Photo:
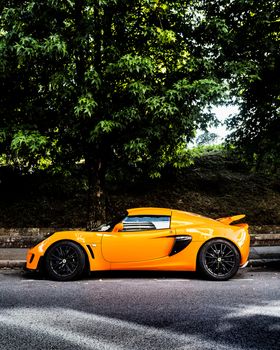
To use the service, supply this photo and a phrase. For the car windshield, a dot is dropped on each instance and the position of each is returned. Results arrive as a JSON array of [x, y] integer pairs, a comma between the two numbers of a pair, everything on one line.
[[107, 227]]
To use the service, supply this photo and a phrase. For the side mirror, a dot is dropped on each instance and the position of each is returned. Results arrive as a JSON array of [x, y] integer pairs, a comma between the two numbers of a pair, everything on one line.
[[118, 227]]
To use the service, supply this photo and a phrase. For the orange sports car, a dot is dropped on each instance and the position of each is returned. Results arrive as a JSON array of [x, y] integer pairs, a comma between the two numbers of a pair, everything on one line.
[[147, 239]]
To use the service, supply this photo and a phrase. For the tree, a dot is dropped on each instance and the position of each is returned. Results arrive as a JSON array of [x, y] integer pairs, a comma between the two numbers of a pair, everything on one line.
[[207, 138], [257, 133], [250, 56], [103, 82]]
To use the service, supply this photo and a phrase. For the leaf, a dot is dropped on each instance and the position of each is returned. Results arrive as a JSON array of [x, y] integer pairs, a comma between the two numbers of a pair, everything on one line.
[[86, 106], [28, 140]]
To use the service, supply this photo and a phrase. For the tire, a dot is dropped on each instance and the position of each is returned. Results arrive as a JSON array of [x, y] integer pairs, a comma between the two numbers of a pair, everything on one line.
[[65, 261], [218, 260]]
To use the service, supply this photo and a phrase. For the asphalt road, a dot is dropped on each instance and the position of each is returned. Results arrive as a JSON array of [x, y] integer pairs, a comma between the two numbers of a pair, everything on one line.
[[140, 311]]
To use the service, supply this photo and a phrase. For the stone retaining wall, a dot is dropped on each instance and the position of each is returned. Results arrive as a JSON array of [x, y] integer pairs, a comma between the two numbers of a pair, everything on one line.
[[266, 235], [26, 237]]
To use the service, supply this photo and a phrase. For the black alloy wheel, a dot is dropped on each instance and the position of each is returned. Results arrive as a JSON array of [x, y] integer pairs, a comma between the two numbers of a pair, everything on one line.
[[65, 261], [219, 260]]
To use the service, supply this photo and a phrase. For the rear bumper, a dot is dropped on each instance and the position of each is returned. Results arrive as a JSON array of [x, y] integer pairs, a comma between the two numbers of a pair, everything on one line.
[[244, 265], [243, 242]]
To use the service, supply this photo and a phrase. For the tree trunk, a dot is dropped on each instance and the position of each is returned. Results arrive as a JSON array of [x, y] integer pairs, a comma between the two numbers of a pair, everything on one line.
[[96, 194]]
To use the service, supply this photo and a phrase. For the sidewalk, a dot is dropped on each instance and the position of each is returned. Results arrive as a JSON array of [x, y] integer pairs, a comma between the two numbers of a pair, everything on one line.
[[12, 257], [259, 256]]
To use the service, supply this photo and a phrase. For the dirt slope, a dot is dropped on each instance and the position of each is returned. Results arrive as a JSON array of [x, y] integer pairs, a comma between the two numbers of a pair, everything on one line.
[[214, 186]]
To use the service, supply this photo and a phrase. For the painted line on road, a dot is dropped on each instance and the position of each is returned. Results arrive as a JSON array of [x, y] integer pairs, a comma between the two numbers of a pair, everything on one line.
[[242, 279], [110, 281], [170, 280], [28, 280]]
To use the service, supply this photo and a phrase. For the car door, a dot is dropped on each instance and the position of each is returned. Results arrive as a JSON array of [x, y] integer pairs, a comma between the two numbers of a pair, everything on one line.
[[143, 238]]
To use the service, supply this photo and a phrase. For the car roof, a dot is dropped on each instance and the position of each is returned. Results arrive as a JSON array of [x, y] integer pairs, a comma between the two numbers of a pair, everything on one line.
[[163, 212], [179, 217], [157, 211], [149, 211]]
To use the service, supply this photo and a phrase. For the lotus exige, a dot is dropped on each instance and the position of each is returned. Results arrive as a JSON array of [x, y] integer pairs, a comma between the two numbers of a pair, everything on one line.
[[147, 239]]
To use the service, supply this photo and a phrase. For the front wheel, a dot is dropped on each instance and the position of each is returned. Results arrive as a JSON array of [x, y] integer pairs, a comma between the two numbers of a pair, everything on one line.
[[65, 261], [219, 260]]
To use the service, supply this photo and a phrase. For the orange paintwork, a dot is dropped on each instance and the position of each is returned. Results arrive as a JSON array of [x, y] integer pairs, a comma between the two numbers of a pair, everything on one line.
[[149, 250], [231, 219]]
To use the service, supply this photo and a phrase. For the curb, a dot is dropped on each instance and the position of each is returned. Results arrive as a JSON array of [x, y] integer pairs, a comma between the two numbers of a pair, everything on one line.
[[264, 263], [12, 264]]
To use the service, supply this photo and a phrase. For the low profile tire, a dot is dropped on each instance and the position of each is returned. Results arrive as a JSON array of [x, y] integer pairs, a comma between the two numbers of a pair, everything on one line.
[[218, 260], [65, 261]]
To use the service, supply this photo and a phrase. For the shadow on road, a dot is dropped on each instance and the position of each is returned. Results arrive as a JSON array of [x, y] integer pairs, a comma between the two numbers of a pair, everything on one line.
[[143, 275], [123, 275]]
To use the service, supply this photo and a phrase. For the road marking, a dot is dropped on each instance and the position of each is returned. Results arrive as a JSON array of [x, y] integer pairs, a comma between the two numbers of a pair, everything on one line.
[[28, 281], [242, 279], [111, 280], [171, 280]]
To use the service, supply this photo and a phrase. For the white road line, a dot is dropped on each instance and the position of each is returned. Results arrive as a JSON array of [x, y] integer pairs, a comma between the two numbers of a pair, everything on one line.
[[242, 279], [171, 280]]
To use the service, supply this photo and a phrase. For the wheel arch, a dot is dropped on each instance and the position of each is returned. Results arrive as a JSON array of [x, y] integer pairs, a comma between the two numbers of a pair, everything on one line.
[[87, 263], [214, 239]]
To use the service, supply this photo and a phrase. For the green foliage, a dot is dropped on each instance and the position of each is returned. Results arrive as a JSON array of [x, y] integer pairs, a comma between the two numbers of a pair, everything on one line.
[[54, 46], [122, 86], [132, 64], [30, 150], [28, 141], [203, 150], [123, 82], [85, 106], [251, 58], [207, 138]]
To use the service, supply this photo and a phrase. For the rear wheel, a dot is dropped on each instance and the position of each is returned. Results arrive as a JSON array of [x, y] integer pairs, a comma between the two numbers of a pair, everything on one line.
[[65, 261], [219, 260]]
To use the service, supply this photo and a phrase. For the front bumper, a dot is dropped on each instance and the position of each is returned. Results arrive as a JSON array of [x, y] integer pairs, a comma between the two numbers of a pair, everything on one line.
[[32, 259]]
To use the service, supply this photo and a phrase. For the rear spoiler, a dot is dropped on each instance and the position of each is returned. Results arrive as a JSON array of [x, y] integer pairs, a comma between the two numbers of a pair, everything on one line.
[[228, 220]]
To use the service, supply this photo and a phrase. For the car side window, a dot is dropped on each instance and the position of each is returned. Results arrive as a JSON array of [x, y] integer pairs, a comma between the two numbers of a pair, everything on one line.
[[145, 223]]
